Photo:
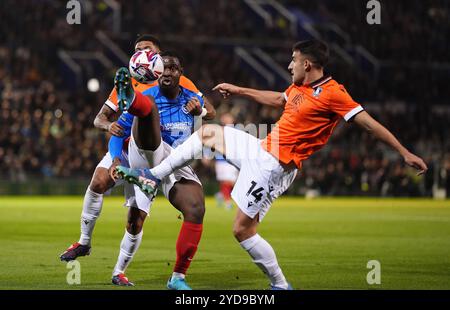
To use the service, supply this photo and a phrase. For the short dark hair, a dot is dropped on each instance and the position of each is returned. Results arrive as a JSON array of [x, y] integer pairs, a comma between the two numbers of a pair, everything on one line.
[[148, 37], [316, 50], [172, 54]]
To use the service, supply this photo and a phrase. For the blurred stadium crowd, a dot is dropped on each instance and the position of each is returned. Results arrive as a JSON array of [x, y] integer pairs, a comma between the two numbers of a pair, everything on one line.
[[46, 118]]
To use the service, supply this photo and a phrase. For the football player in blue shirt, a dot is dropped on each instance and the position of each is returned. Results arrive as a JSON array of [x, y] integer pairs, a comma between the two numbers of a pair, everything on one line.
[[155, 132]]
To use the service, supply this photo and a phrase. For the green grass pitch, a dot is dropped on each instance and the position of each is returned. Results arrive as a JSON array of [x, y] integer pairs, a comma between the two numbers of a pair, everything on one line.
[[320, 244]]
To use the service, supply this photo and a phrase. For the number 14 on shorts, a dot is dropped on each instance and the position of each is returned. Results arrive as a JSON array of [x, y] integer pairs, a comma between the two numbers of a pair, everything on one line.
[[256, 192]]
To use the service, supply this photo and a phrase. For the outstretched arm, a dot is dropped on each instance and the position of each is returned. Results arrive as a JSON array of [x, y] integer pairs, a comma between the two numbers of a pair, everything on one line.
[[364, 120], [266, 97]]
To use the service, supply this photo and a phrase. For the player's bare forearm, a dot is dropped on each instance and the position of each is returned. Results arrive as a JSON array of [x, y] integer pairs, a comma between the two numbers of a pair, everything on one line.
[[104, 118], [266, 97], [364, 120], [210, 110]]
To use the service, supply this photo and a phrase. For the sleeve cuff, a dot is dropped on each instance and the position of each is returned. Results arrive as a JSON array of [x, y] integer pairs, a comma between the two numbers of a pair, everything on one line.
[[353, 112], [110, 104], [285, 97]]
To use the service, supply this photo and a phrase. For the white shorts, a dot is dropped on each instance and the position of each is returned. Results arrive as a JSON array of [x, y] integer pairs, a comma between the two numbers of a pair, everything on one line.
[[106, 162], [147, 159], [226, 171], [261, 177]]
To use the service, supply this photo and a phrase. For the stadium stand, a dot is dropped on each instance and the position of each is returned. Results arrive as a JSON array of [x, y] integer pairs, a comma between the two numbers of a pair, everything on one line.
[[47, 113]]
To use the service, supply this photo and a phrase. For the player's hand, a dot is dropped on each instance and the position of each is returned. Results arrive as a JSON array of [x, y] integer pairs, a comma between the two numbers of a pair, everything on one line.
[[415, 162], [112, 170], [226, 89], [115, 129], [194, 107]]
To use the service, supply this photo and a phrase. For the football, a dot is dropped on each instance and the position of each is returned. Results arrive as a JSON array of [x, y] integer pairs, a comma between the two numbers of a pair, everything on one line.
[[146, 66]]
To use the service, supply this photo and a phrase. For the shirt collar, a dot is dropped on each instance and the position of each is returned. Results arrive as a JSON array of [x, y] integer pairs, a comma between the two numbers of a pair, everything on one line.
[[324, 79]]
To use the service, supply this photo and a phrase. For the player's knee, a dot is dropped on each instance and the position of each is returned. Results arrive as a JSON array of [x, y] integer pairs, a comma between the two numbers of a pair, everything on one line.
[[100, 184], [134, 227], [135, 221], [241, 232], [237, 232], [194, 211]]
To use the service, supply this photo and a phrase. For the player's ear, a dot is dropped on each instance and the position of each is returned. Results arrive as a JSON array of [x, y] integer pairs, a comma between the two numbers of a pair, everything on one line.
[[307, 64]]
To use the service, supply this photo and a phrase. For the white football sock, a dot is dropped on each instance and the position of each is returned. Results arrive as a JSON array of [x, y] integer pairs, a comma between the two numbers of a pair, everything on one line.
[[92, 206], [181, 156], [264, 257], [128, 247]]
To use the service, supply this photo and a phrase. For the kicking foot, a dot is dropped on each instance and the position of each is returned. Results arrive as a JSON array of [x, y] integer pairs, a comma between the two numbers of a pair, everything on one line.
[[124, 89], [143, 178]]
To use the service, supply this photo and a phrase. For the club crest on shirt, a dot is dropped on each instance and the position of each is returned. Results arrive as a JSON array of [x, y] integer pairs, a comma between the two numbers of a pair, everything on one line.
[[317, 91], [185, 111]]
